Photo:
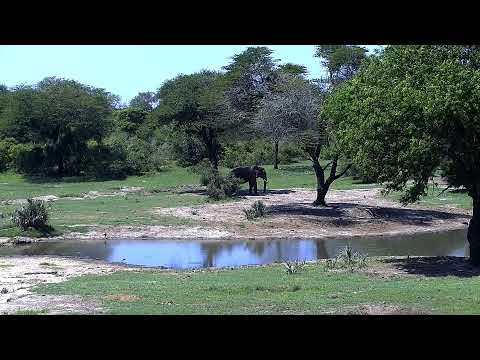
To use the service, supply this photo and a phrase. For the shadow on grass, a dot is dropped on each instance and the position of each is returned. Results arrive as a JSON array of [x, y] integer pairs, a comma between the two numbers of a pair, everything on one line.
[[436, 266]]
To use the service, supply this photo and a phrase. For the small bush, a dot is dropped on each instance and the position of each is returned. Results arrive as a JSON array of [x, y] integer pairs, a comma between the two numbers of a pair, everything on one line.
[[214, 192], [257, 210], [230, 185], [347, 258], [32, 215], [293, 267]]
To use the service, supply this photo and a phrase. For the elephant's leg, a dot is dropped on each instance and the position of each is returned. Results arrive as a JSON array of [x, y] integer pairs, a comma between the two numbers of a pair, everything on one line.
[[255, 186]]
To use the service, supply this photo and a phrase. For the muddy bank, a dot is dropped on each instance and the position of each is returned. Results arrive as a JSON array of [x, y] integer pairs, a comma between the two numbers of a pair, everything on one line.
[[18, 274], [351, 213]]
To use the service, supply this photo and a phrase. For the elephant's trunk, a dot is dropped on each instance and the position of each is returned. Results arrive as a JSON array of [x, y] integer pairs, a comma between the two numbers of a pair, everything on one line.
[[264, 186]]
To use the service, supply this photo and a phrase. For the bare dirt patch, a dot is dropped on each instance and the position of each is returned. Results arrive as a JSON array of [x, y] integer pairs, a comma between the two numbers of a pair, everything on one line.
[[20, 273], [379, 309], [350, 213]]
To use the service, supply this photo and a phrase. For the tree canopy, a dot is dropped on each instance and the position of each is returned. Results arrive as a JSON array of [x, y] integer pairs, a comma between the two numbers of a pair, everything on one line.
[[410, 111]]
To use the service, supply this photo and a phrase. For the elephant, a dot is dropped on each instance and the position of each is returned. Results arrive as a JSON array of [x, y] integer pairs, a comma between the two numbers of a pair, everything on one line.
[[251, 174]]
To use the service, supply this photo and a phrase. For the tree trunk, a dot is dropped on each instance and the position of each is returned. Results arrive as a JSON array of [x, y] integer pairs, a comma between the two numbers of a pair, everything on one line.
[[322, 187], [473, 234], [275, 162]]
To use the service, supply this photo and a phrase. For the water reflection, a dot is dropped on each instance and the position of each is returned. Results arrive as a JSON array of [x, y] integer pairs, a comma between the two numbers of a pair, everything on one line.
[[194, 254]]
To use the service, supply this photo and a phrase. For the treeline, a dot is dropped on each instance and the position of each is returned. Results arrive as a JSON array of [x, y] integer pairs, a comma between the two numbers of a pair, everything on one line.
[[254, 111], [60, 127]]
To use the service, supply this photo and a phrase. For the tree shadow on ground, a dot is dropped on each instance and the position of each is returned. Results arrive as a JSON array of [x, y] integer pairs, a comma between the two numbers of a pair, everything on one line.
[[346, 213], [435, 266]]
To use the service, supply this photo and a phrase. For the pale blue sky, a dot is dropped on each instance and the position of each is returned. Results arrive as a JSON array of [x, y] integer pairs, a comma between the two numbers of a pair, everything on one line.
[[126, 70]]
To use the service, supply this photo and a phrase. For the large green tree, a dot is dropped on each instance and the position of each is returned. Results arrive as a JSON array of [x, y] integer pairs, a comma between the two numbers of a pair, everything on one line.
[[58, 117], [410, 111], [251, 75], [197, 104]]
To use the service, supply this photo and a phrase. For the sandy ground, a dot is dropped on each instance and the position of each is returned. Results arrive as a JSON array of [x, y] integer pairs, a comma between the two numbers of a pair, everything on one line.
[[18, 274], [291, 215]]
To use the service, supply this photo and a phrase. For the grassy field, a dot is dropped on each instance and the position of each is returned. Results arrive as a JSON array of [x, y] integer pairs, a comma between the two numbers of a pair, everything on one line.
[[269, 290], [135, 208], [435, 197], [131, 209]]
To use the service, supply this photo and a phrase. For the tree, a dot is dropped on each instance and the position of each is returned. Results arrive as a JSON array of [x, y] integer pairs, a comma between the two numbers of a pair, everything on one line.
[[293, 69], [281, 112], [341, 62], [144, 100], [409, 111], [130, 119], [251, 75], [58, 117], [197, 104]]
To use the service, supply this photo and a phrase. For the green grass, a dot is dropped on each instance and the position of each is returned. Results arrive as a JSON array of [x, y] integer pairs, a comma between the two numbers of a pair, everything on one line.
[[32, 312], [134, 208], [435, 198], [14, 186], [269, 290], [301, 175]]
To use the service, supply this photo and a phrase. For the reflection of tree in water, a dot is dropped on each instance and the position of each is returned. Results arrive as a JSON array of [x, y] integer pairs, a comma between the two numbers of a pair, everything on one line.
[[321, 250], [89, 249], [257, 247], [211, 250]]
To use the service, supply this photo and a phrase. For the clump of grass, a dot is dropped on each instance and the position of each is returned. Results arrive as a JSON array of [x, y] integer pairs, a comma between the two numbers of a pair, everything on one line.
[[32, 215], [293, 267], [258, 209], [347, 258]]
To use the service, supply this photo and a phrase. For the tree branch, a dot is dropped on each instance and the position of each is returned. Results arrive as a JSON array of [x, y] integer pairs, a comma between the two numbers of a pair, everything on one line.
[[326, 166], [343, 172]]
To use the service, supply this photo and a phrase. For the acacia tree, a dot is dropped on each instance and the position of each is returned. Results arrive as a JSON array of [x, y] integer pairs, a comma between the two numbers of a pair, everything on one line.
[[250, 76], [411, 110], [197, 104], [144, 100], [59, 117]]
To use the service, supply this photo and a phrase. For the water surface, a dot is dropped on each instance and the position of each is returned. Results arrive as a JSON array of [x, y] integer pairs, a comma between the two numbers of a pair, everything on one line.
[[181, 254]]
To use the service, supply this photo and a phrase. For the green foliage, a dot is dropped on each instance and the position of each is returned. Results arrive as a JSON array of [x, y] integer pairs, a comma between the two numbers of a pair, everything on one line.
[[247, 153], [8, 153], [410, 110], [32, 215], [341, 61], [258, 209], [347, 258], [59, 116], [219, 186], [129, 119]]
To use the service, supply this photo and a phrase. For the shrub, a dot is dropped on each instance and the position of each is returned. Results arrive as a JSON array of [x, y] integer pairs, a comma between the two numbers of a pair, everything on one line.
[[215, 192], [258, 209], [219, 187], [32, 215], [293, 267], [347, 258], [290, 153], [7, 153]]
